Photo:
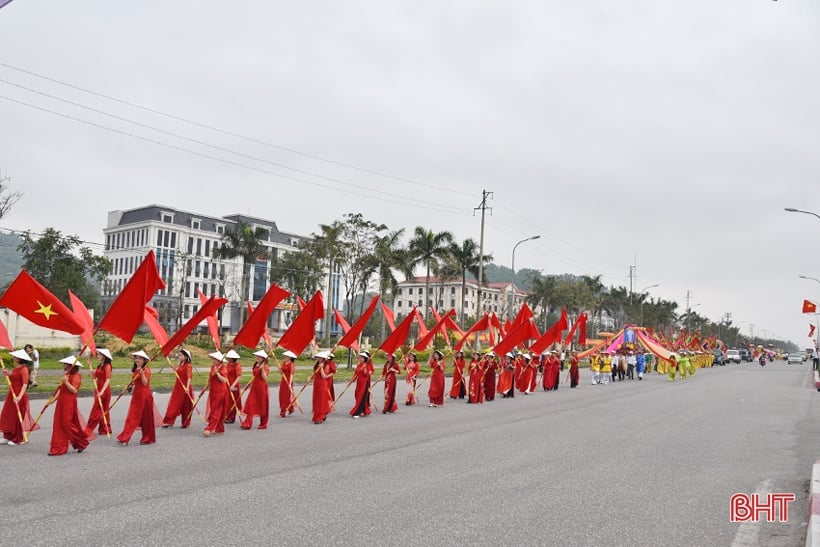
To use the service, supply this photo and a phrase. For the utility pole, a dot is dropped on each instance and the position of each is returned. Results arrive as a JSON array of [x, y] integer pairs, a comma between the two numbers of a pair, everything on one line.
[[483, 207], [688, 310], [632, 275]]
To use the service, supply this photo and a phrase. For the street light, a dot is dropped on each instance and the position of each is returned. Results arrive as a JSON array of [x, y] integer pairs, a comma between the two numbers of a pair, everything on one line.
[[512, 287], [793, 210], [689, 315], [642, 291]]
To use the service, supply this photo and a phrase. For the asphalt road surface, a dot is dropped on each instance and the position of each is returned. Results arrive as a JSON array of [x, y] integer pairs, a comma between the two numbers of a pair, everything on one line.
[[634, 463]]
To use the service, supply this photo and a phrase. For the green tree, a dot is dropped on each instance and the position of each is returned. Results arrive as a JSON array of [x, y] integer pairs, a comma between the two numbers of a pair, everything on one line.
[[300, 271], [543, 294], [427, 247], [61, 263], [468, 259], [244, 241]]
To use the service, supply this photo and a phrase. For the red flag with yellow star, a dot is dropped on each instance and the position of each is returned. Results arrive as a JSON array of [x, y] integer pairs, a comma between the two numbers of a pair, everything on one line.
[[34, 302]]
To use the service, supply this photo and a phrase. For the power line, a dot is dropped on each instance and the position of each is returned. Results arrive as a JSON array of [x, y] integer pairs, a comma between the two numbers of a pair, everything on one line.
[[231, 133], [224, 160], [203, 143]]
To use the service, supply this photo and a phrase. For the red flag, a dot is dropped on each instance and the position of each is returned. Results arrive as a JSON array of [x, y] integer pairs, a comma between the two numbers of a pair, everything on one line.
[[265, 333], [435, 313], [507, 326], [809, 307], [213, 327], [82, 315], [582, 331], [422, 325], [425, 341], [345, 328], [300, 302], [451, 324], [34, 302], [524, 314], [208, 308], [352, 335], [257, 322], [811, 330], [388, 315], [497, 324], [151, 318], [5, 342], [517, 335], [125, 315], [552, 335], [480, 325], [399, 335], [303, 328]]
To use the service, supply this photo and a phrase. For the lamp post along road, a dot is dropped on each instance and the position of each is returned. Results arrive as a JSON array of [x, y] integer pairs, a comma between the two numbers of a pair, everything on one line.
[[512, 286], [642, 291]]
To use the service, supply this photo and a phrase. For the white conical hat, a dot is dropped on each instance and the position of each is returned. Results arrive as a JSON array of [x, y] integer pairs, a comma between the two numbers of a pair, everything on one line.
[[105, 353], [217, 355], [232, 355], [71, 360], [140, 353], [263, 354], [21, 354], [290, 354]]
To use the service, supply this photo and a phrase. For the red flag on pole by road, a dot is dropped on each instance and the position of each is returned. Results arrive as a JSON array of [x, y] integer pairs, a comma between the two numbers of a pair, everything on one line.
[[809, 306], [213, 326], [388, 315], [399, 335], [422, 324], [125, 315], [480, 325], [84, 317], [5, 342], [303, 328], [265, 333], [209, 308], [518, 334], [811, 330], [345, 328], [425, 341], [257, 322], [352, 336], [151, 318], [37, 304]]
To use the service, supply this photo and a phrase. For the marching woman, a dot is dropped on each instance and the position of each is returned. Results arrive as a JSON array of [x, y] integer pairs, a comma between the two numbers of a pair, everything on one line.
[[16, 405], [68, 426], [258, 401], [179, 404], [234, 400], [217, 396], [391, 369], [99, 416], [488, 371], [476, 372], [364, 370], [321, 395], [331, 390], [286, 383], [458, 390], [574, 372], [506, 385], [436, 390], [527, 374], [550, 376], [141, 412], [411, 367]]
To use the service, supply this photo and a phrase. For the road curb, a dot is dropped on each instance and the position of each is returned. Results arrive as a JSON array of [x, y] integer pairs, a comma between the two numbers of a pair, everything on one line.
[[813, 529]]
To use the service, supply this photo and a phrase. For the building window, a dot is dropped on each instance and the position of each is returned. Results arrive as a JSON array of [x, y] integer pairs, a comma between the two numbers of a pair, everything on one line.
[[198, 246], [398, 304], [421, 290], [420, 304], [166, 238], [453, 303], [168, 219], [190, 245], [196, 269], [207, 247], [452, 290], [187, 294], [205, 270], [187, 311], [399, 293], [410, 290], [173, 240], [195, 224], [220, 229]]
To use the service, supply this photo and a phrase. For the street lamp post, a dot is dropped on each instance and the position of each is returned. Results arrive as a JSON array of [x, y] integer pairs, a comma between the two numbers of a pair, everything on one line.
[[793, 210], [689, 316], [642, 291], [512, 286]]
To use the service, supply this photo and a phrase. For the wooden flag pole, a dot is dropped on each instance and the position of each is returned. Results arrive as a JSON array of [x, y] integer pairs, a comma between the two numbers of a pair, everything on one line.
[[187, 393], [16, 402]]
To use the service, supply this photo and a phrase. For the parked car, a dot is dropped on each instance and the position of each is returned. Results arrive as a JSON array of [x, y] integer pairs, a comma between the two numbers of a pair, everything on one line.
[[795, 357], [733, 356], [719, 358], [745, 355]]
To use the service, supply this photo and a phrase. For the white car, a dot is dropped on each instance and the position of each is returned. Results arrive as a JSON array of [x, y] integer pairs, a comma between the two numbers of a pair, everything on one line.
[[733, 355], [795, 357]]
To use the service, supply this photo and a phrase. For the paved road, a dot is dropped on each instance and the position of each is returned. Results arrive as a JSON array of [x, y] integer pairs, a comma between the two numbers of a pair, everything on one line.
[[635, 463]]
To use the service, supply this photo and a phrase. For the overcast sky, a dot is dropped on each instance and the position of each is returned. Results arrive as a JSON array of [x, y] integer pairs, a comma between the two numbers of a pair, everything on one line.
[[667, 134]]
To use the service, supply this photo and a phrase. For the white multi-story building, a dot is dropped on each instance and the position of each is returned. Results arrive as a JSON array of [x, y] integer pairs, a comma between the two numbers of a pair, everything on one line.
[[447, 293], [185, 244]]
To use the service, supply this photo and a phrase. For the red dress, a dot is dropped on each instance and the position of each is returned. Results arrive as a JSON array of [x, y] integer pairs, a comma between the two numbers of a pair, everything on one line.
[[574, 373], [286, 389], [331, 367], [258, 401], [436, 390], [476, 381], [412, 372], [489, 380], [505, 380], [180, 402], [234, 403], [458, 390], [9, 420], [68, 426], [141, 412], [389, 373], [321, 396], [363, 373], [526, 378], [217, 400], [101, 374], [551, 371]]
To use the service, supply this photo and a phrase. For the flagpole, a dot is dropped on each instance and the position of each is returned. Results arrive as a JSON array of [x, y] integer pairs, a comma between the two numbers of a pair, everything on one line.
[[96, 386], [16, 402], [187, 393]]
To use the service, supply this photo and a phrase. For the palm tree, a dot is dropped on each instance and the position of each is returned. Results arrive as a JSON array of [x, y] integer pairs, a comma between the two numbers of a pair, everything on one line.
[[428, 248], [327, 245], [467, 257], [245, 241], [543, 293]]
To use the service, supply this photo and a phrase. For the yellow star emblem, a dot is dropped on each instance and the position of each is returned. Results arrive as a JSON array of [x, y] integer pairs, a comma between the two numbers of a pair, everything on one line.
[[45, 310]]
